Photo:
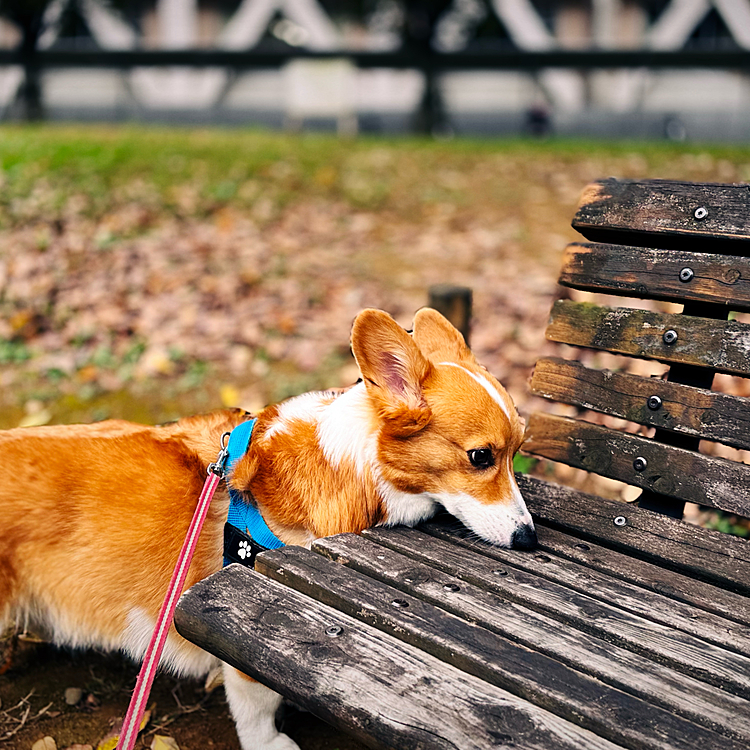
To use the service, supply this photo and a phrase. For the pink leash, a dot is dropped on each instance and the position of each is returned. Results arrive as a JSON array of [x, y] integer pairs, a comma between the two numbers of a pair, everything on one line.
[[131, 724]]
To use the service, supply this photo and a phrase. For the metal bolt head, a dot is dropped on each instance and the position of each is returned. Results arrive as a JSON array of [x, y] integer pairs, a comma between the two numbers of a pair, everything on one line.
[[654, 403], [334, 631], [700, 213], [640, 464], [670, 336], [686, 274], [620, 520]]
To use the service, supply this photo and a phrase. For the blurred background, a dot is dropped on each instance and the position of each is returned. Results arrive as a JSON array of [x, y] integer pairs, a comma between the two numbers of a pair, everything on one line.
[[198, 196], [655, 68]]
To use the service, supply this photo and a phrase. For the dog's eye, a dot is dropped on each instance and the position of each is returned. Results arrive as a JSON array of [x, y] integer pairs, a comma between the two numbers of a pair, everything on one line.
[[481, 458]]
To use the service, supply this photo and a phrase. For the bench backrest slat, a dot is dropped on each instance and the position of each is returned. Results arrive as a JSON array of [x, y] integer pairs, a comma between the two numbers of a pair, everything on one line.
[[670, 275], [666, 470], [653, 402], [680, 242], [720, 345], [666, 214]]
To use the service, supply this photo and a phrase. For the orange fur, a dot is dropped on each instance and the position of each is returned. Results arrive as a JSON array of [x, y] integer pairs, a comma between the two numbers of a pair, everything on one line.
[[93, 516]]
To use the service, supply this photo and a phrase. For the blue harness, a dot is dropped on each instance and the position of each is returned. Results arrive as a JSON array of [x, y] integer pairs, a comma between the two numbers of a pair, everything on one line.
[[245, 532]]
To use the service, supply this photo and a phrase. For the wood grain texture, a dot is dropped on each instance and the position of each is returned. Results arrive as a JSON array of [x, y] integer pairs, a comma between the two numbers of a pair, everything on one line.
[[662, 213], [697, 412], [720, 345], [670, 471], [673, 648], [617, 592], [610, 663], [648, 576], [545, 682], [709, 555], [655, 274], [386, 693]]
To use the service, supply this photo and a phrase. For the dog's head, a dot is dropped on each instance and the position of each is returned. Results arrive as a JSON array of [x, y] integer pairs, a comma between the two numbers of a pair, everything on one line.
[[448, 430]]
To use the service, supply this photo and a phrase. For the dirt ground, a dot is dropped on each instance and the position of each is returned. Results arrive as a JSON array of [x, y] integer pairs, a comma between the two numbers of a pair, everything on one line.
[[32, 706]]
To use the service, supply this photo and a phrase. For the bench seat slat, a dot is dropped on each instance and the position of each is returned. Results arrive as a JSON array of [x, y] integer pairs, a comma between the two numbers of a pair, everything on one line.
[[662, 213], [655, 274], [277, 635], [681, 651], [706, 554], [647, 575], [690, 411], [610, 663], [720, 345], [671, 471], [534, 676], [649, 604]]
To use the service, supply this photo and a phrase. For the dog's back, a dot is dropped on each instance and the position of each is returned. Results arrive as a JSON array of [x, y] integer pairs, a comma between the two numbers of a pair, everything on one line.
[[93, 520]]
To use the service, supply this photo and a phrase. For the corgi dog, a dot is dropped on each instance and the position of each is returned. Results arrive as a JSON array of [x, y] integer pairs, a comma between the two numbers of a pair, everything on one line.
[[93, 516]]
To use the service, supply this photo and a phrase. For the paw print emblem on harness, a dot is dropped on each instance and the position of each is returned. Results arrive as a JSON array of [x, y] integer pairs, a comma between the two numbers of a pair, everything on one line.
[[244, 550]]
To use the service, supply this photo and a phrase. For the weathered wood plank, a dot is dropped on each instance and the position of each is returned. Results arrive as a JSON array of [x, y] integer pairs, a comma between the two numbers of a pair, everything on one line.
[[708, 555], [720, 345], [666, 213], [663, 644], [639, 461], [622, 594], [349, 673], [673, 275], [646, 575], [697, 412], [610, 663], [533, 676]]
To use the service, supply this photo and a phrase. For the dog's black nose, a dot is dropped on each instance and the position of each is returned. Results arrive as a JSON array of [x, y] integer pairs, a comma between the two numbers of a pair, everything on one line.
[[524, 537]]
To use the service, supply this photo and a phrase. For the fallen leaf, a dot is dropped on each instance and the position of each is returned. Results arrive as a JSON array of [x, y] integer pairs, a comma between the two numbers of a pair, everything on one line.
[[164, 743], [46, 743], [36, 418], [110, 740], [229, 395]]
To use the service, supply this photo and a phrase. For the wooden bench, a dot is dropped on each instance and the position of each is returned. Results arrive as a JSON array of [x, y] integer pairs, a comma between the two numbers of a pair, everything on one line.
[[627, 627]]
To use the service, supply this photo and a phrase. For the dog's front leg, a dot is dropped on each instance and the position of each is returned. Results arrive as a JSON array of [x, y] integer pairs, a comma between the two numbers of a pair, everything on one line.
[[253, 708]]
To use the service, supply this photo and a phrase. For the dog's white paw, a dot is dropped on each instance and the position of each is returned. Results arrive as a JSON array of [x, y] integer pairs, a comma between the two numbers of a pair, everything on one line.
[[281, 742]]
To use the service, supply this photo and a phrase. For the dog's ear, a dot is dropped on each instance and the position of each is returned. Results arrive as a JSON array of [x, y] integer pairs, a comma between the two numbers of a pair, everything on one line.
[[393, 370], [438, 340]]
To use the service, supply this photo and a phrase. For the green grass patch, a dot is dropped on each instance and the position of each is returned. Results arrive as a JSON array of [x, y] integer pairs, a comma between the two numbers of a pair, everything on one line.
[[51, 171]]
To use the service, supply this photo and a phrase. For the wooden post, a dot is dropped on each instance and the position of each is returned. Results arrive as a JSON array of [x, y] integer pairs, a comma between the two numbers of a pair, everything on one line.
[[454, 302]]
